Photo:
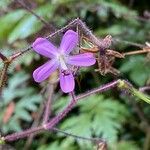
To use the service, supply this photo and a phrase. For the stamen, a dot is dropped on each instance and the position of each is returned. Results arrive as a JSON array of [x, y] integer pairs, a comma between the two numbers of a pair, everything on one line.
[[62, 61]]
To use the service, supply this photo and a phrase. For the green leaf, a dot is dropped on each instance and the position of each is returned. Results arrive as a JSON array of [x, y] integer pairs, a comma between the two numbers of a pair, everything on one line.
[[118, 9], [4, 4], [112, 30], [125, 145], [23, 114], [11, 91], [99, 116], [28, 102], [12, 125], [8, 22], [137, 68], [57, 146], [30, 24]]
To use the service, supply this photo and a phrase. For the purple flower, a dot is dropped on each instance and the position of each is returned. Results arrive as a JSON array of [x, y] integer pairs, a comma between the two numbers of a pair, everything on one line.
[[60, 59]]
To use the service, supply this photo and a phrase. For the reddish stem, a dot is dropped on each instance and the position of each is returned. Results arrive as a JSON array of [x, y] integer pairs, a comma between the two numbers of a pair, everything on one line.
[[55, 120]]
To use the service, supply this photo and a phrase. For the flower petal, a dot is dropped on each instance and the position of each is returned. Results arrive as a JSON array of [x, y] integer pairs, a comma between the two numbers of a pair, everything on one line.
[[69, 41], [67, 82], [44, 47], [44, 71], [86, 59]]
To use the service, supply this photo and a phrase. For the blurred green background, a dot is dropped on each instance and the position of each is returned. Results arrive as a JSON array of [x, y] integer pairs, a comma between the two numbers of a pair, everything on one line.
[[113, 115]]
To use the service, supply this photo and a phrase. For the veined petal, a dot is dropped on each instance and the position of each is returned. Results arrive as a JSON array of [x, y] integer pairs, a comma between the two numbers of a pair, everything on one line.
[[67, 82], [44, 71], [69, 41], [44, 47], [85, 59]]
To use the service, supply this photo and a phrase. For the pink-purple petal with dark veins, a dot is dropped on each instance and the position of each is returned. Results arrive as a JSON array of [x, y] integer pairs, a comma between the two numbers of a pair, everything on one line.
[[44, 71], [69, 41], [45, 48], [67, 82], [85, 59]]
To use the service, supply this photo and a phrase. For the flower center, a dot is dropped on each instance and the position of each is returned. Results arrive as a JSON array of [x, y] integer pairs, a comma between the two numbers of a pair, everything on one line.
[[62, 60]]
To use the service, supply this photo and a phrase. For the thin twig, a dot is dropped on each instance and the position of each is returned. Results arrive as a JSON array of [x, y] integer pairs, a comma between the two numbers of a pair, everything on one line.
[[137, 52], [21, 52], [145, 88], [3, 76], [4, 58], [87, 32], [62, 114], [48, 103], [77, 137], [73, 23]]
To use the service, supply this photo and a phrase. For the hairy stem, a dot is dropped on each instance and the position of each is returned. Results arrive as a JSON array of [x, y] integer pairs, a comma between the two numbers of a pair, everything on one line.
[[57, 118], [23, 134], [48, 104], [4, 58], [74, 23], [121, 84], [79, 23], [3, 76], [62, 114], [145, 88], [137, 52]]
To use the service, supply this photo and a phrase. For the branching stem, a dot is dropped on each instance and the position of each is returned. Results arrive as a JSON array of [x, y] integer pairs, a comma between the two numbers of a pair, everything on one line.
[[121, 84]]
